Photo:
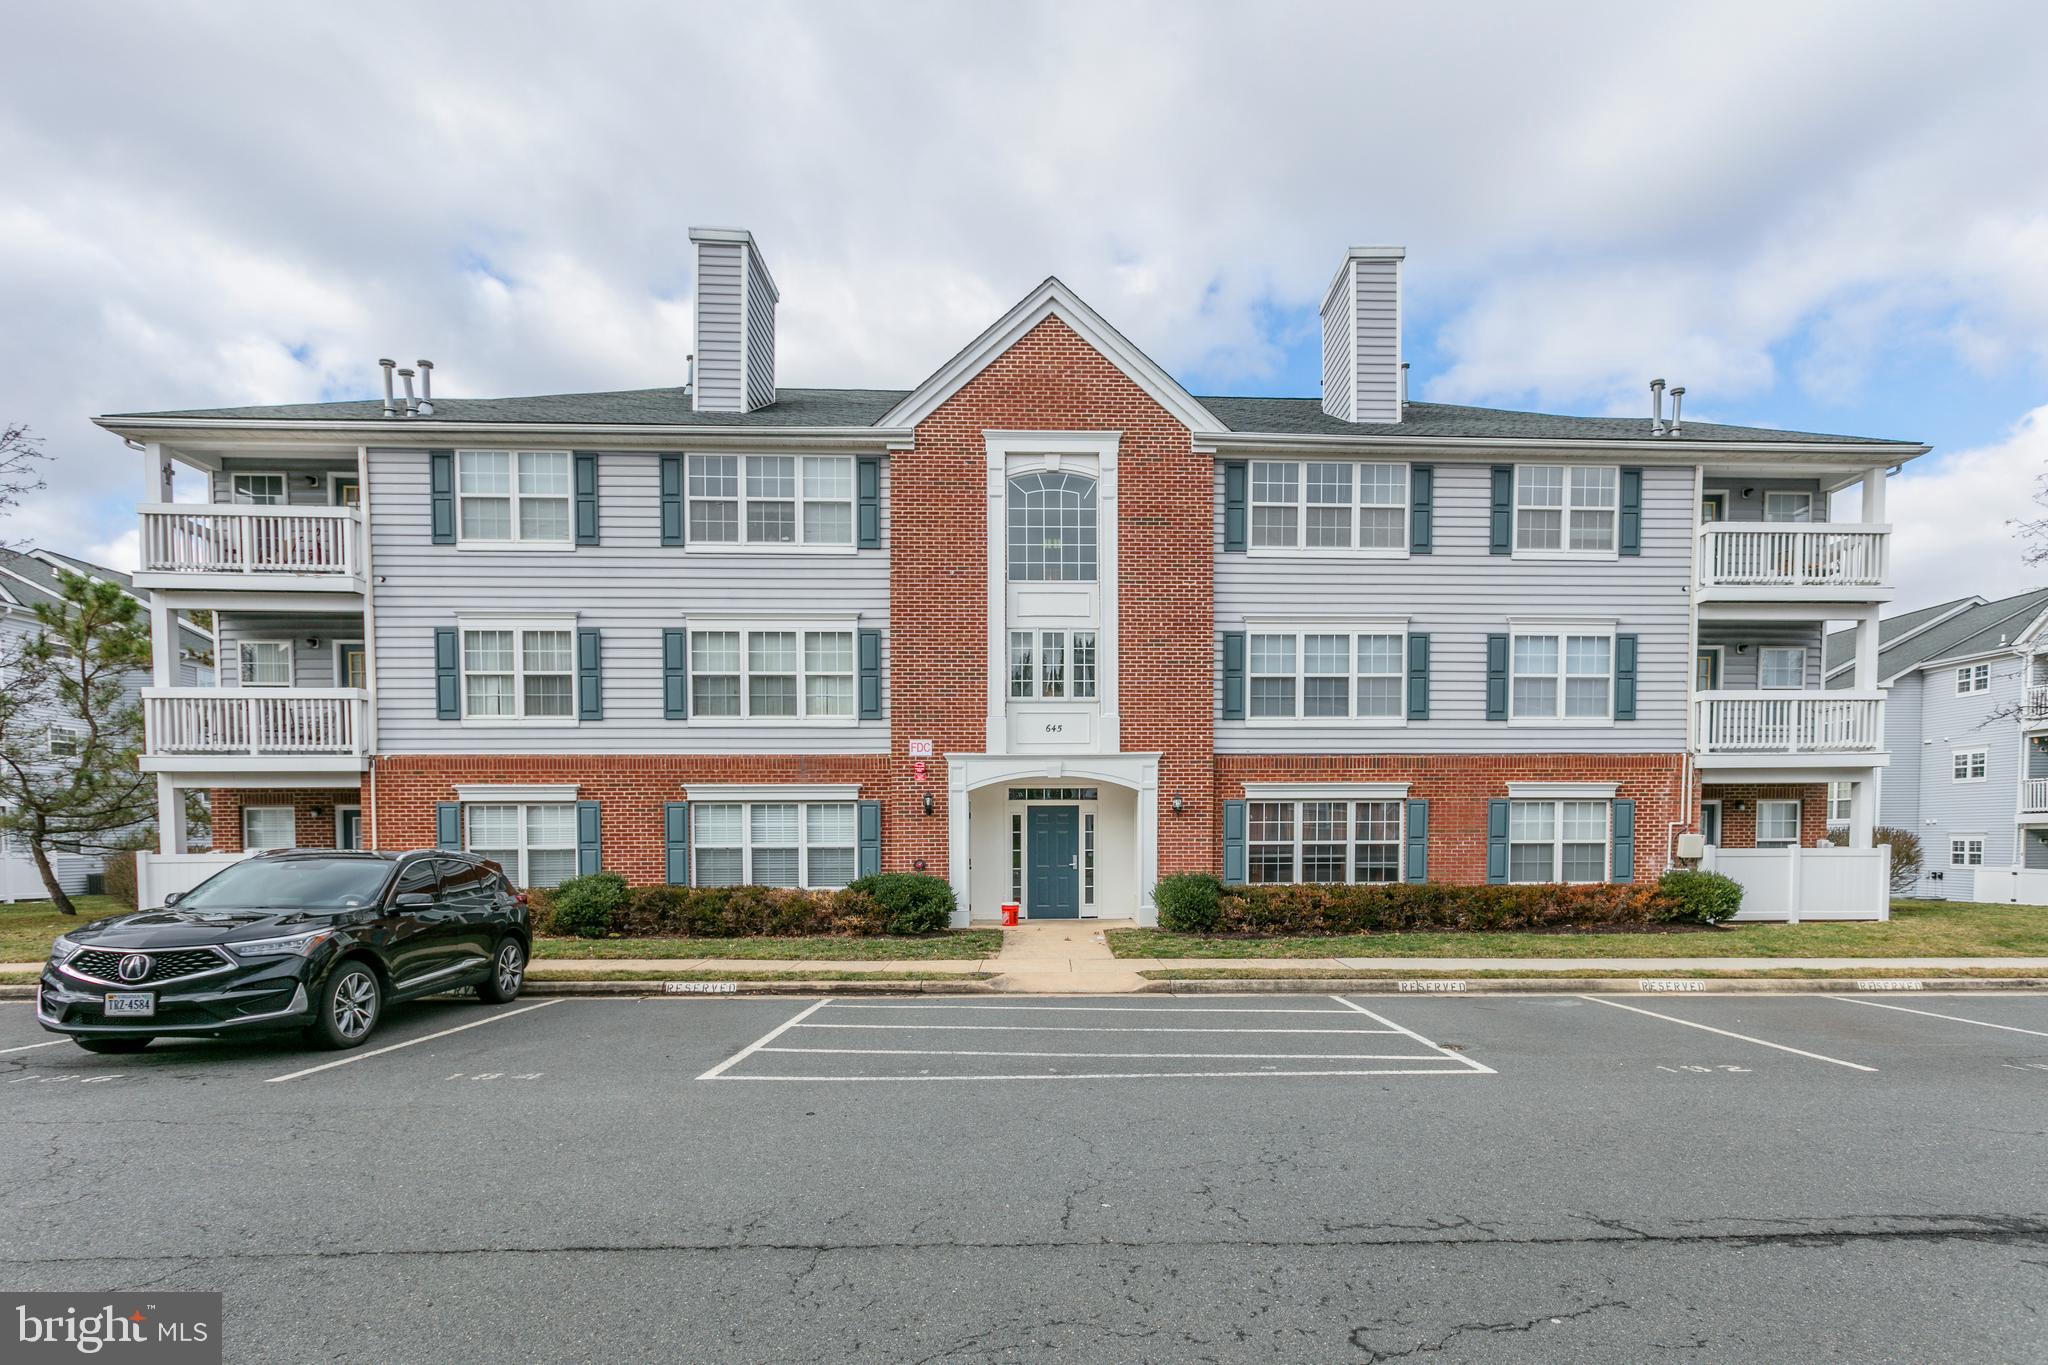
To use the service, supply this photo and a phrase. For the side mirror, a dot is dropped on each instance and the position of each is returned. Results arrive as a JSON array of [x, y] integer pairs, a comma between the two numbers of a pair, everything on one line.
[[412, 900], [173, 898]]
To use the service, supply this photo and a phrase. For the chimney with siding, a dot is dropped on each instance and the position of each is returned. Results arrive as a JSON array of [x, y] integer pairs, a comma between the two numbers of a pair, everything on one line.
[[1362, 337], [736, 299]]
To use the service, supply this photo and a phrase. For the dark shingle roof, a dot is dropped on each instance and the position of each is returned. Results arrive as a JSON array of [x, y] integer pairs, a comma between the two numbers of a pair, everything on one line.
[[1305, 417], [1976, 629], [35, 573]]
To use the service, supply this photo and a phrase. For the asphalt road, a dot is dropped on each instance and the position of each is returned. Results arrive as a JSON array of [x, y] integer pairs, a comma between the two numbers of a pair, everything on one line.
[[1234, 1178]]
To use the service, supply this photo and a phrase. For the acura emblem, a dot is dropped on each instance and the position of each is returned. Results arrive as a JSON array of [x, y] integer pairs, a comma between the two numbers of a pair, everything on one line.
[[134, 967]]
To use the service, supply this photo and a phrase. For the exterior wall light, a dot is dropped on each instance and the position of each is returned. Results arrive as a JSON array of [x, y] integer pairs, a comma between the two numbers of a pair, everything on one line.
[[927, 803], [1176, 803]]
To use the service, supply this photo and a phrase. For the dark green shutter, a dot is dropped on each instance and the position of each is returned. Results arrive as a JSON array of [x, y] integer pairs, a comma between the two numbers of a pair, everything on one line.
[[1418, 677], [441, 492], [588, 858], [1624, 677], [586, 497], [870, 838], [448, 824], [447, 674], [1422, 509], [868, 510], [1624, 841], [871, 675], [589, 675], [1417, 869], [675, 835], [1496, 677], [1235, 476], [1501, 525], [1631, 511], [675, 674], [1233, 843], [671, 499], [1233, 675], [1496, 841]]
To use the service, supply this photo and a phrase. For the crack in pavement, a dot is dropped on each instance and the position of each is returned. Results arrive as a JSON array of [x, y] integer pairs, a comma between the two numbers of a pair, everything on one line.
[[1375, 1355]]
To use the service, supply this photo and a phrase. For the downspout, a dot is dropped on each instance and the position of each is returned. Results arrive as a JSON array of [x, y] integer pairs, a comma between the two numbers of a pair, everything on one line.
[[369, 629], [1692, 655]]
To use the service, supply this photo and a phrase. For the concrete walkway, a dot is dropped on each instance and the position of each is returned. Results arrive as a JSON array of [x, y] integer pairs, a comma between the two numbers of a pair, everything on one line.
[[1064, 957]]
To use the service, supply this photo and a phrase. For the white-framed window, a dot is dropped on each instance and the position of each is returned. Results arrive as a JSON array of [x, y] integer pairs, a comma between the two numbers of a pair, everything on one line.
[[64, 742], [1567, 509], [1973, 678], [1839, 802], [1051, 664], [773, 843], [256, 490], [1329, 506], [1966, 850], [266, 663], [779, 672], [1561, 675], [1968, 765], [1354, 673], [1558, 841], [1783, 507], [519, 671], [1323, 841], [269, 827], [1777, 824], [1781, 667], [513, 497], [1054, 530], [535, 843], [770, 501]]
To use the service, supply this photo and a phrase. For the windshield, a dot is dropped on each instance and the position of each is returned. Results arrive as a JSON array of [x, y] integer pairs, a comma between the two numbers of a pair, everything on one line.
[[291, 884]]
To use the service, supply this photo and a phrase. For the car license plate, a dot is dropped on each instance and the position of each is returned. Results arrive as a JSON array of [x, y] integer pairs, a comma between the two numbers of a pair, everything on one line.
[[131, 1004]]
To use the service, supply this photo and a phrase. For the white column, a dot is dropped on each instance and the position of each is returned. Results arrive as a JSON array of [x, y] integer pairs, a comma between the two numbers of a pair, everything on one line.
[[156, 474], [1873, 495], [1866, 651], [163, 642], [1862, 812], [170, 815], [957, 839]]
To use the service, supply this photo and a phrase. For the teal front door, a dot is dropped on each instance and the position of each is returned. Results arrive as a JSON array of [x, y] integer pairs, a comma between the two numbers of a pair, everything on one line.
[[1055, 859]]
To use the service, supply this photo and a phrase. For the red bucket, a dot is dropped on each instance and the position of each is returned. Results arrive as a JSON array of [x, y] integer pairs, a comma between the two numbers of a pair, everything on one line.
[[1009, 916]]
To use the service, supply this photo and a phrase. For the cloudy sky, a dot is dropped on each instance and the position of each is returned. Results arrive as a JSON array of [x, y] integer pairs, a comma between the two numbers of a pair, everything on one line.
[[1830, 217]]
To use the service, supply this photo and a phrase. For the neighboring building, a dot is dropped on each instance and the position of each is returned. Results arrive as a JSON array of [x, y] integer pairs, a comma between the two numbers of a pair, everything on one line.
[[1966, 721], [26, 579], [1046, 623]]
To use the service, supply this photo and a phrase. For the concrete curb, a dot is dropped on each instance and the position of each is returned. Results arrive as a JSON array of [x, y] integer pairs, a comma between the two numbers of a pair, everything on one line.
[[688, 989], [1590, 985]]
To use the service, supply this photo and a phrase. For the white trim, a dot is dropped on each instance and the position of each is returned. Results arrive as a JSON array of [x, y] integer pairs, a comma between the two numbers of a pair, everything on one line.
[[1798, 821], [746, 626], [336, 477], [1136, 772], [1351, 629], [1561, 631], [340, 674], [772, 791], [801, 845], [291, 813], [361, 830], [1982, 752], [797, 501], [1325, 791], [1764, 651], [512, 793], [1563, 791], [1983, 846], [1564, 510], [519, 626], [513, 498], [1720, 816], [291, 663], [1720, 653], [1301, 549], [284, 484]]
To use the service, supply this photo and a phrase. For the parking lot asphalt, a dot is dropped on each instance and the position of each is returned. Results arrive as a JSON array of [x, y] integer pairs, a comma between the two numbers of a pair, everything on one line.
[[1226, 1177]]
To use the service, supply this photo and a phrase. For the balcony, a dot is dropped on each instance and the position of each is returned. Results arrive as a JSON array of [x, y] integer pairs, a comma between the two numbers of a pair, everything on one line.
[[1791, 562], [213, 731], [295, 549], [2034, 797], [2034, 706], [1788, 729]]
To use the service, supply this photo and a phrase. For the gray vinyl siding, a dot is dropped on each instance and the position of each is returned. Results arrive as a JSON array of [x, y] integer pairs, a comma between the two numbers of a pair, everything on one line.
[[297, 492], [1899, 785], [1978, 720], [760, 337], [1743, 642], [1459, 595], [2034, 852], [630, 587], [312, 666], [1340, 366], [1751, 508], [721, 366], [1379, 341], [16, 627]]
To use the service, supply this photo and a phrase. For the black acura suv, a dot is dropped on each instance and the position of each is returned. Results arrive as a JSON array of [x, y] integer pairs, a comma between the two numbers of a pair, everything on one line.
[[313, 940]]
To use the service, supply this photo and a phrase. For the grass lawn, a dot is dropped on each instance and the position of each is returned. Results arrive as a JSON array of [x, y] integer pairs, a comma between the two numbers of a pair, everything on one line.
[[953, 945], [1575, 974], [1916, 929], [26, 927], [600, 974]]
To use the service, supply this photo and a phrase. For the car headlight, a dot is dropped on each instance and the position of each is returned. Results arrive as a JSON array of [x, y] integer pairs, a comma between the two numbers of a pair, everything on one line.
[[63, 950], [298, 945]]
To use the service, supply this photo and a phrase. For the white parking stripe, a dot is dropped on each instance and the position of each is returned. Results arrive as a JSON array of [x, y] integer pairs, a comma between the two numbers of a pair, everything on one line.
[[1440, 1051], [1161, 1056], [1743, 1037], [751, 1048], [1117, 1075], [1088, 1028], [1952, 1018], [410, 1042], [31, 1047], [1099, 1009]]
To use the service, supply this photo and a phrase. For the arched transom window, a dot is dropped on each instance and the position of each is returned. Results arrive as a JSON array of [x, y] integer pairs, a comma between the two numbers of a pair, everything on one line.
[[1052, 527]]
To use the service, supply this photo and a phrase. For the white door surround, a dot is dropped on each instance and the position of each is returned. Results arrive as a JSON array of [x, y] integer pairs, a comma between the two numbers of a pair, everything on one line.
[[1139, 773]]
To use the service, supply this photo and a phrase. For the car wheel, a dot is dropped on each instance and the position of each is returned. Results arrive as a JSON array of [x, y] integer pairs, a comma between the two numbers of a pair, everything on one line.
[[114, 1046], [508, 974], [348, 1007]]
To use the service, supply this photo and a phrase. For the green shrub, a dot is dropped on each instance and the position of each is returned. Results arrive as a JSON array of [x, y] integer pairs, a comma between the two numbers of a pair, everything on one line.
[[914, 902], [1189, 902], [584, 906], [1402, 907], [120, 882], [1701, 897]]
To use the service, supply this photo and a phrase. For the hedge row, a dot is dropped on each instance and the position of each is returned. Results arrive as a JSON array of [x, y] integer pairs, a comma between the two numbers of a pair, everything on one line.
[[602, 905], [1200, 904]]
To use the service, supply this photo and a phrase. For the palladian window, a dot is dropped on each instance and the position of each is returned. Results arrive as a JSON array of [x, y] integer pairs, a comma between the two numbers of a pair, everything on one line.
[[1052, 527]]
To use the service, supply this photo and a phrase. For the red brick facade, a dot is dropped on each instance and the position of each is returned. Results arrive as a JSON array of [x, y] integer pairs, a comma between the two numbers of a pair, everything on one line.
[[1738, 810], [312, 813]]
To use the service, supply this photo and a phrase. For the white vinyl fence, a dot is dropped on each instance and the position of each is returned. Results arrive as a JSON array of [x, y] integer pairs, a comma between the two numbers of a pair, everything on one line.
[[2012, 885], [1794, 884], [159, 874]]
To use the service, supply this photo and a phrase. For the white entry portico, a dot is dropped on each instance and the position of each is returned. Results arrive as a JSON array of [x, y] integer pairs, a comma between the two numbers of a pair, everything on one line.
[[983, 798]]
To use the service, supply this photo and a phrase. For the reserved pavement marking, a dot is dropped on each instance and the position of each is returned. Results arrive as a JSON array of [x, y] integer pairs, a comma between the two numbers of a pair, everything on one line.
[[1952, 1018], [31, 1047], [1093, 1028], [1156, 1056], [1742, 1037], [751, 1048], [410, 1042], [1440, 1051]]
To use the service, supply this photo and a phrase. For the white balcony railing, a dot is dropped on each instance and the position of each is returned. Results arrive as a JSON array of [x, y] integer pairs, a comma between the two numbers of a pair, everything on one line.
[[253, 722], [1789, 723], [199, 538], [2034, 796], [1788, 555], [2034, 704]]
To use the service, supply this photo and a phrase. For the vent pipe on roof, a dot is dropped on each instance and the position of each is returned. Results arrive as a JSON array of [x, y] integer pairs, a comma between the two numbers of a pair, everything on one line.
[[690, 373], [1656, 407], [1677, 398], [390, 404], [412, 404], [426, 388], [1404, 381]]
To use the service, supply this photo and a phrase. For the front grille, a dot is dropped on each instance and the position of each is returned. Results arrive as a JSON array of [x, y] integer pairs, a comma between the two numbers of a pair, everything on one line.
[[105, 964]]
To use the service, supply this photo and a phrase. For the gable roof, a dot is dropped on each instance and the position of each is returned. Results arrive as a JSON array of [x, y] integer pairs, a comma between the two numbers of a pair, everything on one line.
[[28, 576], [1956, 629]]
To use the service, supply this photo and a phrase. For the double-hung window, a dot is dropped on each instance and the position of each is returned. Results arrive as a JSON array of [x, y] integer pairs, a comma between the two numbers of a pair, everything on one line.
[[512, 497], [257, 490], [1966, 850], [519, 671], [266, 663], [268, 827], [773, 843], [771, 500], [1777, 824], [1340, 506], [1973, 678], [1839, 802], [1052, 664], [764, 672], [1563, 675], [1323, 841], [535, 844], [1557, 841], [1969, 765], [1566, 509], [1353, 674], [1781, 668]]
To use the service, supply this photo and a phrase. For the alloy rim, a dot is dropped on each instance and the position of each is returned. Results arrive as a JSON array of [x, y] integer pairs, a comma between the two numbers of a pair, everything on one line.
[[511, 966], [355, 1003]]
